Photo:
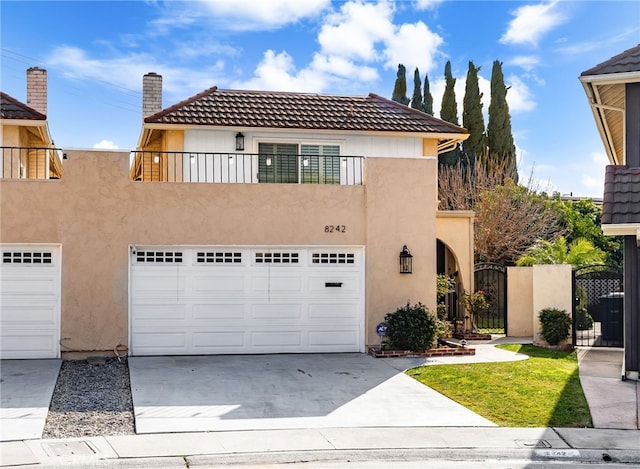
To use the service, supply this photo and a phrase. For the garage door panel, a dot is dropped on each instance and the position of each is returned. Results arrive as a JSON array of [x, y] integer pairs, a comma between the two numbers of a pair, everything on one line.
[[30, 315], [277, 284], [219, 341], [157, 340], [30, 286], [338, 313], [158, 284], [276, 311], [279, 340], [19, 344], [160, 312], [218, 311], [218, 284]]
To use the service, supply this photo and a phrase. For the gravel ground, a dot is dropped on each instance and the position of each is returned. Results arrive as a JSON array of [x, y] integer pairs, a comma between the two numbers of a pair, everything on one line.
[[91, 398]]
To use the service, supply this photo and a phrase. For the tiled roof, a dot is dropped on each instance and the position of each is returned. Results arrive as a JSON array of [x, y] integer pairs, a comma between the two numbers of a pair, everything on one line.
[[628, 61], [300, 111], [621, 204], [11, 108]]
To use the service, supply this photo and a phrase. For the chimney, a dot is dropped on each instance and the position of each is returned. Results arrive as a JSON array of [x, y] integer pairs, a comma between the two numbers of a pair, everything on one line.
[[37, 89], [151, 94]]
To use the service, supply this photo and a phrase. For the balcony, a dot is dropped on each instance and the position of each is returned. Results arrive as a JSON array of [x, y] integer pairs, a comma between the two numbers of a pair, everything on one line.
[[245, 168], [30, 163]]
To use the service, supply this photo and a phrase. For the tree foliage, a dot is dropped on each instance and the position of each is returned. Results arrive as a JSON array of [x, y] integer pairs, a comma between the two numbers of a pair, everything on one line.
[[509, 219], [501, 149], [578, 253], [427, 100], [449, 113], [416, 100], [400, 86], [472, 118]]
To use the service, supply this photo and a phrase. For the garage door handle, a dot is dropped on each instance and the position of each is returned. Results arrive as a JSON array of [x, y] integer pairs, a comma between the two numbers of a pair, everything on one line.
[[333, 284]]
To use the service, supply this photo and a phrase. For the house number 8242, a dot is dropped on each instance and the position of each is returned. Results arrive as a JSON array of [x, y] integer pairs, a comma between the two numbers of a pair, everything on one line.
[[335, 229]]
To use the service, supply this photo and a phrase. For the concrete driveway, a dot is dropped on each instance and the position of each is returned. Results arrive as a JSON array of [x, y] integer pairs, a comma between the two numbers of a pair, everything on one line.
[[252, 392], [26, 387]]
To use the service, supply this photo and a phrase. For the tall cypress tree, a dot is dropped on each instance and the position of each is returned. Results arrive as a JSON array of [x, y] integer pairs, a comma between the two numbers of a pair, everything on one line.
[[501, 149], [472, 119], [400, 86], [416, 101], [427, 101], [449, 113]]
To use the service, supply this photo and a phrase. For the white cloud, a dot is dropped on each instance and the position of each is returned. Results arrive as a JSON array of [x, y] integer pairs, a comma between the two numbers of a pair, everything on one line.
[[531, 22], [105, 145], [243, 15], [518, 96], [413, 45], [427, 4], [354, 31], [526, 62]]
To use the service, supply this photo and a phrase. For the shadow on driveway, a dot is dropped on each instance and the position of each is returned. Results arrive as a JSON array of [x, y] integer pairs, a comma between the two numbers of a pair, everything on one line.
[[246, 392]]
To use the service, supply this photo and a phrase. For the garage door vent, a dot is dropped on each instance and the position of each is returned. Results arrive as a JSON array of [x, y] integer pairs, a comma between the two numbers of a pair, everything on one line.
[[219, 257], [332, 258], [27, 257], [277, 258], [159, 257]]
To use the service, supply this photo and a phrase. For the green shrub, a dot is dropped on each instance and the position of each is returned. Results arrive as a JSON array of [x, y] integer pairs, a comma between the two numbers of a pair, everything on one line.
[[411, 328], [584, 321], [555, 325]]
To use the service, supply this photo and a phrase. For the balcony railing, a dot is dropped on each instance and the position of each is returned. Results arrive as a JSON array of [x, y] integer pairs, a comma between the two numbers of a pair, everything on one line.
[[30, 163], [246, 168]]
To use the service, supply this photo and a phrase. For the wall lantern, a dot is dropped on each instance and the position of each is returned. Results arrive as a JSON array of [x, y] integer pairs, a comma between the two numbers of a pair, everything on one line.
[[406, 261], [239, 142]]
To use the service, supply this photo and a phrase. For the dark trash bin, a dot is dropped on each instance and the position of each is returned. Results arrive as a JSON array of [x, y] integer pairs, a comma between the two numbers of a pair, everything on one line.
[[611, 316]]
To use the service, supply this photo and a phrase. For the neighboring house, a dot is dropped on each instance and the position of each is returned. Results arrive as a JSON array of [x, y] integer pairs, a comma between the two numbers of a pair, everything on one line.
[[613, 90], [27, 148], [245, 222]]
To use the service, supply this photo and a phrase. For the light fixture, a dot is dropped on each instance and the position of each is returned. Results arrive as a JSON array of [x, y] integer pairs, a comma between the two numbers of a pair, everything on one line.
[[268, 161], [406, 261], [239, 142], [156, 159]]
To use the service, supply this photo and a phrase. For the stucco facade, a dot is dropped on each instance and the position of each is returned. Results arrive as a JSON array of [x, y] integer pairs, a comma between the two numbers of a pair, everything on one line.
[[99, 213]]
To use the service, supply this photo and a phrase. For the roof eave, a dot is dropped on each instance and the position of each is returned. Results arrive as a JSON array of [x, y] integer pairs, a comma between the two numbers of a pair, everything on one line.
[[601, 122]]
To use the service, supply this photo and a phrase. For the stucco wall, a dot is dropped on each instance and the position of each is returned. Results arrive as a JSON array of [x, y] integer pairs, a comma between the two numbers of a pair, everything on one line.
[[520, 312], [551, 289], [96, 212], [455, 229]]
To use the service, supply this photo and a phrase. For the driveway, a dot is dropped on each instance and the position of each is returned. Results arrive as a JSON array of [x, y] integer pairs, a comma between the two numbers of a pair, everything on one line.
[[254, 392], [26, 387]]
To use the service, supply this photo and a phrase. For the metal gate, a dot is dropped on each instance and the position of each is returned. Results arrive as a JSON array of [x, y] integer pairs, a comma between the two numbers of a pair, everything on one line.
[[598, 300], [492, 280]]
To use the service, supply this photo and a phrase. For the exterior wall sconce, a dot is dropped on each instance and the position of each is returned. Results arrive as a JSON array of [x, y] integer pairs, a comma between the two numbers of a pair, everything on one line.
[[406, 261], [239, 142]]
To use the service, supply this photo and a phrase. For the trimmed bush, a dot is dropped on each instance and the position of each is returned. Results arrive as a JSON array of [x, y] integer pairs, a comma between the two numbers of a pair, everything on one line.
[[411, 328], [555, 325], [584, 321]]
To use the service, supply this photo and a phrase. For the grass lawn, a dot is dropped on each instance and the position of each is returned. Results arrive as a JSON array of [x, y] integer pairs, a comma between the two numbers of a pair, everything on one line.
[[543, 391]]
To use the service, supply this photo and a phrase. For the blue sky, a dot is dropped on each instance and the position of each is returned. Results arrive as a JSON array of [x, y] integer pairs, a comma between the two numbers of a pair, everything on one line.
[[96, 53]]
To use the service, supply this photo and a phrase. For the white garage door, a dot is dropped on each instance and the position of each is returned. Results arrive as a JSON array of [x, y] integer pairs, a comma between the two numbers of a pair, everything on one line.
[[30, 301], [210, 300]]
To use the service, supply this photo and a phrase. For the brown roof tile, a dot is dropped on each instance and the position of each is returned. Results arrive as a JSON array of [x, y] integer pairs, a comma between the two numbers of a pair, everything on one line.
[[628, 61], [621, 201], [11, 108], [300, 111]]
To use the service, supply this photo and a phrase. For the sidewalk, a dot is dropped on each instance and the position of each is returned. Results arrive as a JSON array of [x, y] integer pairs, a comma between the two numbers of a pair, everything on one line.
[[285, 446]]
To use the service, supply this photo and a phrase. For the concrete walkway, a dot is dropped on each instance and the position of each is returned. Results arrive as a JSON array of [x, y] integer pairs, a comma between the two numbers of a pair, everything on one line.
[[613, 403]]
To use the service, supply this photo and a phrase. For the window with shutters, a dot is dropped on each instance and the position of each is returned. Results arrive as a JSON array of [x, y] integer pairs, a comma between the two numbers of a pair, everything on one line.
[[290, 163]]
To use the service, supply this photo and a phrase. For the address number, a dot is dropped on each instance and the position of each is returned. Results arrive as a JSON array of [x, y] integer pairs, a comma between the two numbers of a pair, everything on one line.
[[335, 229]]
